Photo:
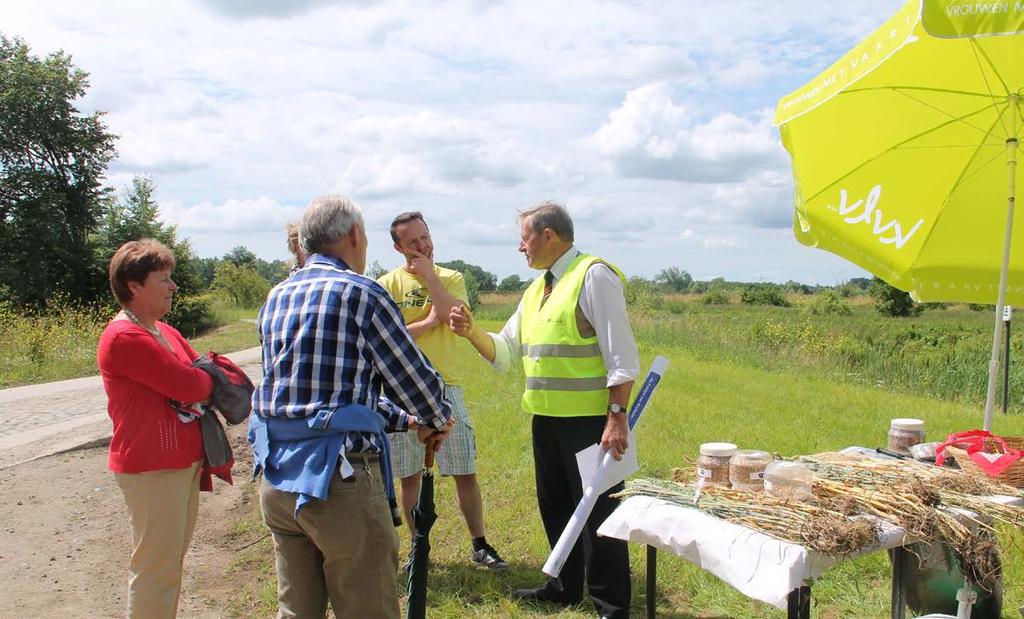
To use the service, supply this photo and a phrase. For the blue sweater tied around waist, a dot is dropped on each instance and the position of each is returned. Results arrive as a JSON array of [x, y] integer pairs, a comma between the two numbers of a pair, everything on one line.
[[300, 455]]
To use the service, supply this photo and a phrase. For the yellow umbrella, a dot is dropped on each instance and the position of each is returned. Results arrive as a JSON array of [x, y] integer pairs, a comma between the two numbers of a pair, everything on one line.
[[904, 154]]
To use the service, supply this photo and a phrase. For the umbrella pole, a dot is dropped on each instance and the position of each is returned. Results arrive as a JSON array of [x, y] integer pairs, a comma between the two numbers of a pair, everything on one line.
[[1006, 363], [1011, 165]]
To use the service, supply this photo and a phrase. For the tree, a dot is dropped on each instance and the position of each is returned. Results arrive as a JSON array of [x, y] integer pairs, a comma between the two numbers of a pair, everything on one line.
[[242, 284], [487, 282], [241, 257], [52, 162], [673, 279], [206, 268], [512, 283], [375, 270], [891, 301], [472, 289], [134, 215]]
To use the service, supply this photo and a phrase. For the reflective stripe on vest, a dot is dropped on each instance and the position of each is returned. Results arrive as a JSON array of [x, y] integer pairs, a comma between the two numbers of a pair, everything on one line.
[[565, 373]]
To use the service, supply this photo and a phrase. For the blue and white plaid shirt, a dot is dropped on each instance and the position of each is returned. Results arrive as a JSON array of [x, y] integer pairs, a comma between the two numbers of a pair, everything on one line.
[[332, 337]]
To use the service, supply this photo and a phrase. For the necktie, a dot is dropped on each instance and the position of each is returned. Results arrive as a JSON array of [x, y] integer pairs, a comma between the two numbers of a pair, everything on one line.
[[549, 281]]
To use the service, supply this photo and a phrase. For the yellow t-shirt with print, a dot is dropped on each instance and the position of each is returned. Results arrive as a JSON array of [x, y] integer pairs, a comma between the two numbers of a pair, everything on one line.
[[439, 345]]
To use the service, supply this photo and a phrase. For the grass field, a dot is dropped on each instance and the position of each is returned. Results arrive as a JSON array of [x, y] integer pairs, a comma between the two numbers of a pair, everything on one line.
[[791, 397], [62, 344]]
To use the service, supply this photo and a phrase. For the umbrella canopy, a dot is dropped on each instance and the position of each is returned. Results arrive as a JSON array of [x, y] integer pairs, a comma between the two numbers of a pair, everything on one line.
[[904, 154], [423, 517]]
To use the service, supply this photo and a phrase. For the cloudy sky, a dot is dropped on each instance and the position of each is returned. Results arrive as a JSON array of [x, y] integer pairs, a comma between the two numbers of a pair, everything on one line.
[[650, 120]]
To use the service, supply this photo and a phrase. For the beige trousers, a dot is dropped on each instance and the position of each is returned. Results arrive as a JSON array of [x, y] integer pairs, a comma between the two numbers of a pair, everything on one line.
[[162, 510], [344, 549]]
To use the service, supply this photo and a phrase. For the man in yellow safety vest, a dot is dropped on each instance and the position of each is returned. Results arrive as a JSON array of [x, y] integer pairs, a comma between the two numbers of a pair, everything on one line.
[[572, 332]]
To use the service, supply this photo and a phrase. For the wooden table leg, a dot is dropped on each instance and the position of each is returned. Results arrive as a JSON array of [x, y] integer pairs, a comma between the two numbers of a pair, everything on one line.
[[898, 604], [652, 580], [799, 603]]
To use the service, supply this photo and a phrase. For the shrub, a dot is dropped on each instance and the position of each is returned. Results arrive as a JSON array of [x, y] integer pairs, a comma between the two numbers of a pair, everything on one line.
[[716, 295], [641, 296], [192, 315], [764, 294], [58, 342], [828, 303], [891, 301]]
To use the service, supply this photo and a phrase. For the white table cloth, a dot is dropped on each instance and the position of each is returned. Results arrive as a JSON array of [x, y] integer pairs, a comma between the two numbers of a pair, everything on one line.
[[760, 567]]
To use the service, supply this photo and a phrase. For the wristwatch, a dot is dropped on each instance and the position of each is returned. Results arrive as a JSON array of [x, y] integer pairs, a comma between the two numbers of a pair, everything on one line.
[[617, 409]]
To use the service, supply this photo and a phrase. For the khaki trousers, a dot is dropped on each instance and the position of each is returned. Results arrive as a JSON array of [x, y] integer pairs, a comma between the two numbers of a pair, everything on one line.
[[344, 549], [162, 509]]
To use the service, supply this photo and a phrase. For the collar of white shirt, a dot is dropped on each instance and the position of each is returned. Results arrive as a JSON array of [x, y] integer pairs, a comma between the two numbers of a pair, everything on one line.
[[559, 267]]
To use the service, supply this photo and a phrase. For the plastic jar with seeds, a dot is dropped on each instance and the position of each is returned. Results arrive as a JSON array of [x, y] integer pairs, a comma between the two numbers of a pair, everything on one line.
[[746, 469], [904, 434], [713, 463], [784, 479]]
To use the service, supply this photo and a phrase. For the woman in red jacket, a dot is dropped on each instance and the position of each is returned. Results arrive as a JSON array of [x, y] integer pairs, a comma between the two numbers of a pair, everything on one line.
[[155, 452]]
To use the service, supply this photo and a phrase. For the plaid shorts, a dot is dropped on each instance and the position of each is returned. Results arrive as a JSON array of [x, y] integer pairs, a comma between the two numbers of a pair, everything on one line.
[[458, 452]]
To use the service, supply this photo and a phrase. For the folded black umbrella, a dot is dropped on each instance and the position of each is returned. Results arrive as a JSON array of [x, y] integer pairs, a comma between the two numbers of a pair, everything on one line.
[[423, 517]]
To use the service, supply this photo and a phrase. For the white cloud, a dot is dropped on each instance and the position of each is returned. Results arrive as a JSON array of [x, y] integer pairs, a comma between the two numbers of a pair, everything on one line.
[[723, 242], [712, 241], [232, 216], [466, 110], [652, 136]]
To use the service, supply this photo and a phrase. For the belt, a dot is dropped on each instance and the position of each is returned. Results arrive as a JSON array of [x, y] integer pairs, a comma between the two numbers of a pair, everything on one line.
[[365, 458]]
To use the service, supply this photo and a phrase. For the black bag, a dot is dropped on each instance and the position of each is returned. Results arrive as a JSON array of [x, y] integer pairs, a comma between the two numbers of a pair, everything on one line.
[[232, 389], [216, 447]]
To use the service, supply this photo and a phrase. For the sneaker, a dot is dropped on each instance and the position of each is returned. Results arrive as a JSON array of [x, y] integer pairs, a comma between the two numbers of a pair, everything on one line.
[[488, 557]]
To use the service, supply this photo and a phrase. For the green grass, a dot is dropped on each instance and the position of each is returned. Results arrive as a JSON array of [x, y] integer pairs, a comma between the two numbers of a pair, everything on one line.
[[718, 387], [61, 344], [237, 332]]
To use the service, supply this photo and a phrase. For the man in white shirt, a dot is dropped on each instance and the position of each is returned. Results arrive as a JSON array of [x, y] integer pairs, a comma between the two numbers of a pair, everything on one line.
[[572, 332]]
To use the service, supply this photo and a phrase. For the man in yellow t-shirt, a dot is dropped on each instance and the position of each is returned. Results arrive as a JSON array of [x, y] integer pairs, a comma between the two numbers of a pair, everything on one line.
[[425, 294]]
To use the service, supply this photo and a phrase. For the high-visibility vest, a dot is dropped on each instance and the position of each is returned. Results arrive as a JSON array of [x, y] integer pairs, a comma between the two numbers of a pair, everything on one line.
[[565, 373]]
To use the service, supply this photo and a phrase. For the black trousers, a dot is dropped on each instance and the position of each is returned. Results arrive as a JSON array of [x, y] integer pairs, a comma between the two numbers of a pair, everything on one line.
[[604, 562]]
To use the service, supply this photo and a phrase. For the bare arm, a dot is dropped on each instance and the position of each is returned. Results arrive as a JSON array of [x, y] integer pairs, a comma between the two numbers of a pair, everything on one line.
[[442, 300], [462, 323], [420, 328], [616, 431]]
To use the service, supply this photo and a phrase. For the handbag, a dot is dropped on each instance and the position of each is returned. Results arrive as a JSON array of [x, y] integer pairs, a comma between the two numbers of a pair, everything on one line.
[[232, 389], [216, 448], [976, 444]]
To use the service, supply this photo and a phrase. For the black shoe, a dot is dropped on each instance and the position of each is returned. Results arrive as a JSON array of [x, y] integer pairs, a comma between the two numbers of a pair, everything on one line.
[[541, 594], [488, 557]]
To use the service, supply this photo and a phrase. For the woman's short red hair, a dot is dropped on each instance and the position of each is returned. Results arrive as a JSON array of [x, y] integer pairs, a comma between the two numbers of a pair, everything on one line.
[[133, 262]]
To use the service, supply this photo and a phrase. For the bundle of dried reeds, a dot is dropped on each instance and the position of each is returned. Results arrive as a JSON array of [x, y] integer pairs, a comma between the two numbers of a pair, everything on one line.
[[929, 503], [822, 529], [932, 485]]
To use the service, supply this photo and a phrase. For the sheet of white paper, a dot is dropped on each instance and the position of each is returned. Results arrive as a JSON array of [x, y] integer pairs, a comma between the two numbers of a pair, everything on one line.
[[589, 460]]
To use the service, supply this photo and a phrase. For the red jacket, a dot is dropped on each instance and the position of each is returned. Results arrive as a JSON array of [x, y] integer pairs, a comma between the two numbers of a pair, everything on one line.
[[139, 375]]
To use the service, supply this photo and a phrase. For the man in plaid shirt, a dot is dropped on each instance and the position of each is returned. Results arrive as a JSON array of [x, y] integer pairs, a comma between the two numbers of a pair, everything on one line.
[[333, 343]]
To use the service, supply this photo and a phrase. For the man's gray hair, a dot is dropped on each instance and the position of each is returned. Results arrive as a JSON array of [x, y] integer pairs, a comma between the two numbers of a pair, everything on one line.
[[327, 219], [549, 214]]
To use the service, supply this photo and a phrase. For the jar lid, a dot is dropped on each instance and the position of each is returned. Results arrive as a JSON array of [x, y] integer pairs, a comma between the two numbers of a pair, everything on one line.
[[907, 424], [788, 469], [752, 454], [717, 449]]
